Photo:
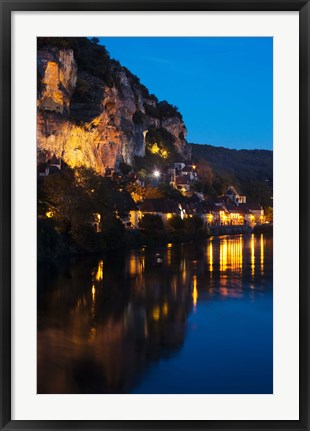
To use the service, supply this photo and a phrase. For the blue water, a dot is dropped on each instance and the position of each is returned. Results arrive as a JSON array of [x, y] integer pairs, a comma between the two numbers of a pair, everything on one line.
[[199, 321], [227, 349]]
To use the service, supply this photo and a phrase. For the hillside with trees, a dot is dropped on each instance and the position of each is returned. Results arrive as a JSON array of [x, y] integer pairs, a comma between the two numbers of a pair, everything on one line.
[[251, 171]]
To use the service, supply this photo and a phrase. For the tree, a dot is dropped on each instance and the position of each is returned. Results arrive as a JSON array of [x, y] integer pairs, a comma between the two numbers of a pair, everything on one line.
[[269, 214], [151, 222], [169, 192], [139, 193], [94, 40], [193, 224], [176, 223], [205, 172]]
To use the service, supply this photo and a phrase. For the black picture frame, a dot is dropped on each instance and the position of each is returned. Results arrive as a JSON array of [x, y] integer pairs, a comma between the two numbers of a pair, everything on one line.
[[7, 7]]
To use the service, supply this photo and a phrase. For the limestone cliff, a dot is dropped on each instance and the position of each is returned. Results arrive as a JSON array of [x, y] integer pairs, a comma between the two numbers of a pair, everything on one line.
[[92, 111]]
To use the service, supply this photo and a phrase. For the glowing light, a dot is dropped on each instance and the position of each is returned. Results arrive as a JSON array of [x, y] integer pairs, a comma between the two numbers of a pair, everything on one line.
[[165, 308], [93, 292], [156, 313], [155, 149], [49, 214], [169, 216], [156, 173], [99, 273]]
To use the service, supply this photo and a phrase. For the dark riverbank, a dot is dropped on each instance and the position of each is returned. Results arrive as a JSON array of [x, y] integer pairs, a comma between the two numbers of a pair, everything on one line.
[[54, 246]]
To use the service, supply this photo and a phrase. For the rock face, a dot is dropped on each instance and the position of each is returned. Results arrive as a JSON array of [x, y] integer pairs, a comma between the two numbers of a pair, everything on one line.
[[95, 116]]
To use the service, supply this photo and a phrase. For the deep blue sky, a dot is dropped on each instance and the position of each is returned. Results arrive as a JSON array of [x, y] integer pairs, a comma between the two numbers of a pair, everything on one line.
[[222, 86]]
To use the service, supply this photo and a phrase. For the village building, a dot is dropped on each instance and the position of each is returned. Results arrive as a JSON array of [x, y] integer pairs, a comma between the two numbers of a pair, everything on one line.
[[52, 166], [190, 172], [183, 184], [232, 194], [258, 212], [166, 209]]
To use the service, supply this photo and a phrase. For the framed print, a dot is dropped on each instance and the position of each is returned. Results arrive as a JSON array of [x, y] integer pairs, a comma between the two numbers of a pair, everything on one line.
[[154, 215]]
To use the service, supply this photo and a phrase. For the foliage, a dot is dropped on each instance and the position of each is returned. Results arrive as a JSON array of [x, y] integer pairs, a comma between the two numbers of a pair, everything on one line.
[[72, 197], [151, 222], [112, 232], [169, 192], [140, 193], [124, 168], [86, 239], [269, 214], [151, 111], [167, 110], [160, 143], [205, 172], [259, 192], [251, 171], [193, 224], [50, 244], [176, 223]]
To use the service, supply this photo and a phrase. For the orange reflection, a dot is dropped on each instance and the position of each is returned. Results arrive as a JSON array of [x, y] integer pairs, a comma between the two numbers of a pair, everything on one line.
[[165, 309], [262, 254], [169, 247], [211, 257], [230, 254], [195, 292], [223, 255], [99, 273], [253, 254], [156, 313]]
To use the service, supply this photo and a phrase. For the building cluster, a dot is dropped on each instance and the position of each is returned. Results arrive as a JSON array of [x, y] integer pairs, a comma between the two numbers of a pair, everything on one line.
[[182, 175], [229, 209]]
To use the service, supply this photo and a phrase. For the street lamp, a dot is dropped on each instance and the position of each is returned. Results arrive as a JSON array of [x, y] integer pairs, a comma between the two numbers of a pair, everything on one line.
[[156, 173]]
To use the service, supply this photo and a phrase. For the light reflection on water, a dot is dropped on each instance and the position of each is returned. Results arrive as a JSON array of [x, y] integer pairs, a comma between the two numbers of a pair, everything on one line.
[[124, 323]]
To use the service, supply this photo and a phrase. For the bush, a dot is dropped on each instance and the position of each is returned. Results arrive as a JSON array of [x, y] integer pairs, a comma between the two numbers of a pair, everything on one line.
[[167, 110], [151, 110], [112, 232], [193, 224], [124, 168], [151, 222], [176, 223], [86, 239], [50, 244]]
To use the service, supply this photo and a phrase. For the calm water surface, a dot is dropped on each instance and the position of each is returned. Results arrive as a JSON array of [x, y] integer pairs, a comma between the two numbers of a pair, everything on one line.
[[200, 322]]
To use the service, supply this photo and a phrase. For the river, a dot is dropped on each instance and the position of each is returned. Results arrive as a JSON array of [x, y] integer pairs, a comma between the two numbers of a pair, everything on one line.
[[199, 322]]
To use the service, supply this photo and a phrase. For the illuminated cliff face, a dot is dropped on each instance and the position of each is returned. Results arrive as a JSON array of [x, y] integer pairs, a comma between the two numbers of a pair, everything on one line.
[[59, 81], [88, 123]]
